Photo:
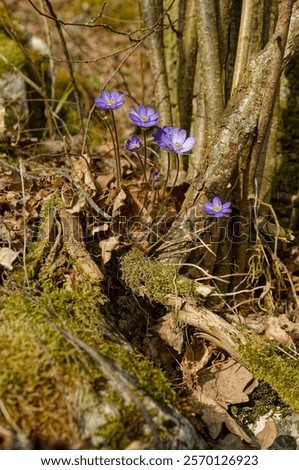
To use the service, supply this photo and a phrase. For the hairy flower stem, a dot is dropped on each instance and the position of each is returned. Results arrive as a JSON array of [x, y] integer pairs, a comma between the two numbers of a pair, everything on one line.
[[165, 200], [145, 179], [167, 176], [142, 164], [145, 153], [116, 149]]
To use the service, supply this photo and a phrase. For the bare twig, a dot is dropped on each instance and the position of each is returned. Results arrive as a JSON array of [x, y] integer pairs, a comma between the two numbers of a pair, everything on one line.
[[68, 61]]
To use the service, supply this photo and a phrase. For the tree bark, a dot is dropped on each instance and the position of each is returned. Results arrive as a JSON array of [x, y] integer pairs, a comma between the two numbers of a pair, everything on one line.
[[153, 21], [235, 134]]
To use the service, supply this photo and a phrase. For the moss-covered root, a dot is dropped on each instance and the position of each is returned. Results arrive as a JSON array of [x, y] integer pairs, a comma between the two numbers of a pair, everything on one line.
[[258, 354], [267, 363], [69, 376], [152, 278]]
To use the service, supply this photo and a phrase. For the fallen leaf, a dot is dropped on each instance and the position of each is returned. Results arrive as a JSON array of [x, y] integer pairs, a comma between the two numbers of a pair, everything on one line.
[[171, 333], [276, 328], [267, 436], [119, 202], [81, 174], [227, 382], [107, 247], [7, 257], [196, 357], [214, 416]]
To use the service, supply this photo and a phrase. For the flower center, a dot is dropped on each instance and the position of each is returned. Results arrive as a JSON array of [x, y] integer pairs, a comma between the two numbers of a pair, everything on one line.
[[217, 208], [144, 118], [134, 145], [177, 147], [110, 102]]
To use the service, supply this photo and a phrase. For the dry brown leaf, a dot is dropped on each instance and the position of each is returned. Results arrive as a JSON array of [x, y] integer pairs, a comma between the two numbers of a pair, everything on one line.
[[100, 228], [214, 416], [267, 435], [196, 357], [7, 257], [107, 247], [119, 202], [135, 198], [81, 174], [171, 333], [79, 204], [277, 327], [72, 236], [227, 382], [105, 180], [292, 263]]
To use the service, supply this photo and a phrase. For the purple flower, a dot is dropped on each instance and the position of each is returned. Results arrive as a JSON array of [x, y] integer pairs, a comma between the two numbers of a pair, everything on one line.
[[216, 208], [174, 139], [134, 144], [161, 136], [157, 179], [144, 117], [106, 100], [157, 176]]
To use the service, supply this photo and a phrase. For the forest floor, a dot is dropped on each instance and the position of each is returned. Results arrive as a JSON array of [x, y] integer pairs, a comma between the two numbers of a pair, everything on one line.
[[39, 164]]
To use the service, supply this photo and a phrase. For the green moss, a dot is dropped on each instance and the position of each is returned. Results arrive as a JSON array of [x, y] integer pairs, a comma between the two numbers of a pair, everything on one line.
[[153, 278], [149, 378], [263, 400], [45, 372], [121, 430], [13, 53], [280, 371]]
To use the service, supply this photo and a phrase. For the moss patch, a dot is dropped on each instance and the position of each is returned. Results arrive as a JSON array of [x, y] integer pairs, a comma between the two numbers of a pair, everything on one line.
[[263, 400], [153, 278], [281, 372], [13, 53], [47, 382]]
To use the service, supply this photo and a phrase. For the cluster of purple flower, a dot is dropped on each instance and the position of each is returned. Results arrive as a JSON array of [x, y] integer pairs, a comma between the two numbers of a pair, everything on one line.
[[172, 139]]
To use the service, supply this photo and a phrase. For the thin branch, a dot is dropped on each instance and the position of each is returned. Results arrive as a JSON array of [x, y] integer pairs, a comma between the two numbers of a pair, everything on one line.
[[68, 61], [243, 41], [270, 90]]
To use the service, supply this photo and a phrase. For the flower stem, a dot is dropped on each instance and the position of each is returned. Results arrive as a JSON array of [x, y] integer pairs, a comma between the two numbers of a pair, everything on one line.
[[116, 150], [145, 154], [142, 164], [165, 200], [167, 176]]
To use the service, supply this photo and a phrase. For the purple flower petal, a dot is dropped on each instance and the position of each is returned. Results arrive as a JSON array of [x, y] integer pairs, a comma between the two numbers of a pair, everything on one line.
[[188, 145], [216, 201], [181, 136], [133, 144], [216, 208], [174, 139], [208, 206], [226, 211], [106, 100], [144, 117]]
